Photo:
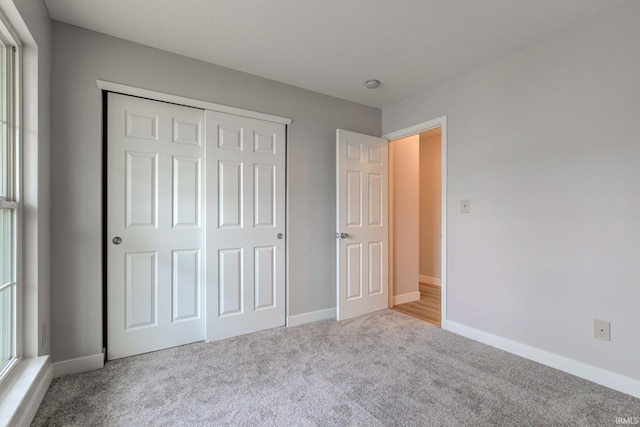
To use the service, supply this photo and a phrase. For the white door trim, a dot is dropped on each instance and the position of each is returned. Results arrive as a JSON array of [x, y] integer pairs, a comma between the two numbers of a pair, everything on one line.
[[401, 133], [189, 102]]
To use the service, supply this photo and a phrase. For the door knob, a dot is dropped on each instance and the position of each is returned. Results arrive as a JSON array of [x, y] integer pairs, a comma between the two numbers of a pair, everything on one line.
[[117, 240], [280, 236], [341, 235]]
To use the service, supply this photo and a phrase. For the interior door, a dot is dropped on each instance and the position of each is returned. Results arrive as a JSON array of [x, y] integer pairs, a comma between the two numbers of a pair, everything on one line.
[[155, 254], [245, 225], [362, 224]]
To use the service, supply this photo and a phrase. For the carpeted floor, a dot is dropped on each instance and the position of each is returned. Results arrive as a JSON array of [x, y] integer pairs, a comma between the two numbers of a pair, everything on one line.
[[382, 369]]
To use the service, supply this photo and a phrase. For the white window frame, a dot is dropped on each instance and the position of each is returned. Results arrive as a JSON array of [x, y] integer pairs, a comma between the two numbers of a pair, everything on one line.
[[11, 86]]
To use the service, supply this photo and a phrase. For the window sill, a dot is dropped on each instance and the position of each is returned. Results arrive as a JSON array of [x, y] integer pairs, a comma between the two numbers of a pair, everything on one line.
[[23, 391]]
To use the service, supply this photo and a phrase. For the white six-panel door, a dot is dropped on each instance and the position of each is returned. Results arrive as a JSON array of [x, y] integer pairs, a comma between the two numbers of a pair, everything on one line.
[[362, 229], [245, 225], [155, 256]]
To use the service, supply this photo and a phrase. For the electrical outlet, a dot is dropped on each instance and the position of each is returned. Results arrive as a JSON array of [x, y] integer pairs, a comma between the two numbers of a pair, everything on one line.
[[43, 335], [602, 329], [465, 206]]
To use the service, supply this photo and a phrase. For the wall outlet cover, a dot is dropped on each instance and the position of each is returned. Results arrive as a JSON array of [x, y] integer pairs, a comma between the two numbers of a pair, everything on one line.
[[602, 329]]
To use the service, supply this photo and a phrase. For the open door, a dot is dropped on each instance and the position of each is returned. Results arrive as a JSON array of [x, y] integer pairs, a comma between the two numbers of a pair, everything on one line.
[[362, 232]]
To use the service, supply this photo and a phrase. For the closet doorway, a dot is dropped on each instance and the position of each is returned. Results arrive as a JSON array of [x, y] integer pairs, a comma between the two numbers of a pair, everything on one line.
[[175, 272]]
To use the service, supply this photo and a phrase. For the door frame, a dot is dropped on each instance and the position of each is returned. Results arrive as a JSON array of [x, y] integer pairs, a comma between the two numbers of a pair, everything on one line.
[[440, 122], [105, 87]]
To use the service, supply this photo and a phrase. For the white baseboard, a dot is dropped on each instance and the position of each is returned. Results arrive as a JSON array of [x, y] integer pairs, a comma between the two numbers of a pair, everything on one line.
[[313, 316], [405, 298], [591, 373], [76, 366], [430, 280], [23, 391]]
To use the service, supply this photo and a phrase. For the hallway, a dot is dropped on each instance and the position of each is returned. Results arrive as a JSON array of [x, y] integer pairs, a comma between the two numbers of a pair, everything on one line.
[[427, 308]]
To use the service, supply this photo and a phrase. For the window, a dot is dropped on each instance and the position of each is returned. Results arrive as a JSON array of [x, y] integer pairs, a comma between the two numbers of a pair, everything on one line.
[[9, 210]]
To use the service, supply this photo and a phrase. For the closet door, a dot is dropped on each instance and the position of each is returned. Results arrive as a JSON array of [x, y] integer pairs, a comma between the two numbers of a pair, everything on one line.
[[245, 225], [155, 233]]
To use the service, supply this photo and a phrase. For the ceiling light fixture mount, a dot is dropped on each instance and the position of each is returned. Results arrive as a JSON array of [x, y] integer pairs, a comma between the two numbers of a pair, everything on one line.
[[372, 84]]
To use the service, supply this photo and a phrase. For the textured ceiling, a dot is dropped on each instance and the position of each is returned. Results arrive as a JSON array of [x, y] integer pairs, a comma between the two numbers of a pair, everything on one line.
[[333, 46]]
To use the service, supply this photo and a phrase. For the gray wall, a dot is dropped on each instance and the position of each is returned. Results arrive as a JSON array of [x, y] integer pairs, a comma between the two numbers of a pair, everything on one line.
[[79, 58], [546, 145]]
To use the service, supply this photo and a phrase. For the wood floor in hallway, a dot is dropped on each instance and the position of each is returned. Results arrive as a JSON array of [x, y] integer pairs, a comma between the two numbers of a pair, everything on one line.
[[428, 307]]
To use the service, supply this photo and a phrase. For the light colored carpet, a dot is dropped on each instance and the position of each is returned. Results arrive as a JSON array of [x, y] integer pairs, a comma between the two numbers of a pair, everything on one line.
[[382, 369]]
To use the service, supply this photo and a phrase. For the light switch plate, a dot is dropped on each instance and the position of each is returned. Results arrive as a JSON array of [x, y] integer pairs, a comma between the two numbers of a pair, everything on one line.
[[465, 206]]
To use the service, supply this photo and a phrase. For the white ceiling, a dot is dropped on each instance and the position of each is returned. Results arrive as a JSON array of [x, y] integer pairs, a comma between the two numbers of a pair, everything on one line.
[[333, 46]]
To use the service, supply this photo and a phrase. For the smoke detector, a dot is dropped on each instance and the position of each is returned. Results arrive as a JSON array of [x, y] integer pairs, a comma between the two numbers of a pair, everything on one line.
[[372, 84]]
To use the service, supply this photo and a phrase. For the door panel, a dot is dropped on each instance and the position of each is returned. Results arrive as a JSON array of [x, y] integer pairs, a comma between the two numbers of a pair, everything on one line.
[[154, 191], [376, 273], [362, 230], [186, 284], [376, 198], [354, 271], [186, 192], [246, 207], [141, 177], [265, 277], [230, 188], [141, 286], [230, 281], [265, 195], [354, 198]]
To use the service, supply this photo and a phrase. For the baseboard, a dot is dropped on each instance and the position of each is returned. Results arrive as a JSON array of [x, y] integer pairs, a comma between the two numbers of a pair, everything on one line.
[[430, 280], [24, 390], [76, 366], [600, 376], [405, 298], [313, 316]]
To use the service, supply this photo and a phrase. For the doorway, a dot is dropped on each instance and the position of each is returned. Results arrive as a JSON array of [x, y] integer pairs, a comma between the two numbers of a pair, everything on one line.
[[417, 219]]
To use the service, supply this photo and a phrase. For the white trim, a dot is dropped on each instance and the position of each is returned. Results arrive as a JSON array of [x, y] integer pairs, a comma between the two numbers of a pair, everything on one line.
[[419, 128], [412, 130], [313, 316], [25, 390], [287, 227], [79, 365], [405, 298], [205, 105], [430, 280], [390, 246], [41, 386], [8, 34], [443, 223], [591, 373]]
